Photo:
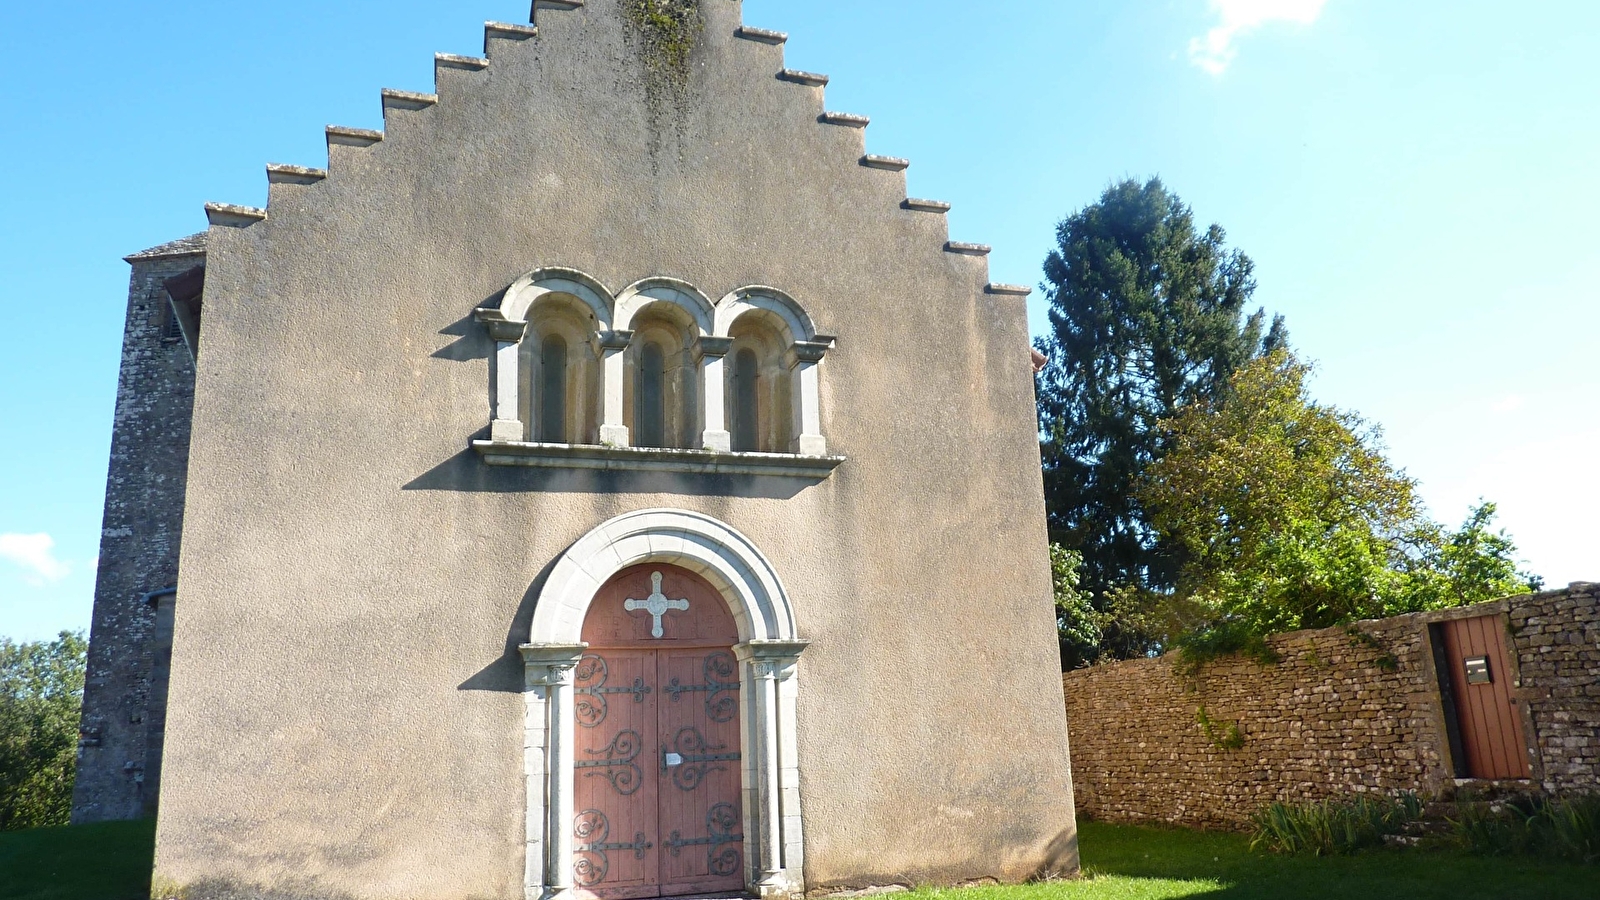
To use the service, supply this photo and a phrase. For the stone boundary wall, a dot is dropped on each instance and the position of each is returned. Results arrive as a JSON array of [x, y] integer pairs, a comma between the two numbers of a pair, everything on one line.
[[1346, 710]]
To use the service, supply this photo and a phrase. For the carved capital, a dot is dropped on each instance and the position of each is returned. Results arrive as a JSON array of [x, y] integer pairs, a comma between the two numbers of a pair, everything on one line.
[[615, 340], [772, 659], [551, 664], [502, 329], [808, 351], [715, 347]]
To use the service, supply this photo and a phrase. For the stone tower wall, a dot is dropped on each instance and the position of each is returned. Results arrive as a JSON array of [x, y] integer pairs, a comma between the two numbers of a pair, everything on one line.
[[119, 743]]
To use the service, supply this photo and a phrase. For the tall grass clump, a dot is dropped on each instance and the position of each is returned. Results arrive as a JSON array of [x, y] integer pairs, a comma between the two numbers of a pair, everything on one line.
[[1566, 829], [1332, 827]]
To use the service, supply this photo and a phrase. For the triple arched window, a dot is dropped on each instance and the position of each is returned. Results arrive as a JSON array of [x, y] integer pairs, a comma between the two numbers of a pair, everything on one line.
[[657, 366]]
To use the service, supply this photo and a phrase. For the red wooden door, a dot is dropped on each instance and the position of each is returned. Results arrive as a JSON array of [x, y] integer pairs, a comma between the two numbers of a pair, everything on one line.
[[1479, 684], [657, 772]]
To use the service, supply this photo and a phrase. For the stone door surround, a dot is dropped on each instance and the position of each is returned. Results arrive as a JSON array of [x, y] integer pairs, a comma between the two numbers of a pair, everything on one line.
[[768, 654]]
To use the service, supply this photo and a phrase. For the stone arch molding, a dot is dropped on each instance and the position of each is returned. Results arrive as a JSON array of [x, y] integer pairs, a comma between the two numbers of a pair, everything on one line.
[[613, 316], [768, 652]]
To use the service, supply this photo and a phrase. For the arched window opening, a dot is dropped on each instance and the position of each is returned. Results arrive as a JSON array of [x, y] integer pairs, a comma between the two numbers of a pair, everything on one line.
[[559, 391], [553, 390], [649, 413], [662, 389], [746, 402], [759, 384]]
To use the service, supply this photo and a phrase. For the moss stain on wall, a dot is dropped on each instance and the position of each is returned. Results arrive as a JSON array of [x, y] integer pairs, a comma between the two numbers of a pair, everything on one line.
[[665, 33]]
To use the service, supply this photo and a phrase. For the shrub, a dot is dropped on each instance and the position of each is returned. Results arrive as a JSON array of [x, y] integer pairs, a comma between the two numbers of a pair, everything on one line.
[[1332, 826], [1533, 826]]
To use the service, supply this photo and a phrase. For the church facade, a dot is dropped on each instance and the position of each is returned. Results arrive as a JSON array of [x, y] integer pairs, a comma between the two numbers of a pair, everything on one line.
[[604, 482]]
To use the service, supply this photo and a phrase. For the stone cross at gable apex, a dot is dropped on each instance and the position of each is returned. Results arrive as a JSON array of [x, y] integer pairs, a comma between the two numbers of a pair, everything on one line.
[[656, 605]]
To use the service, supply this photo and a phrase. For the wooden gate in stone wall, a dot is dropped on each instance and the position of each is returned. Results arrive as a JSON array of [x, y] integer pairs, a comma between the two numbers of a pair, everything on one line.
[[1475, 679], [657, 774]]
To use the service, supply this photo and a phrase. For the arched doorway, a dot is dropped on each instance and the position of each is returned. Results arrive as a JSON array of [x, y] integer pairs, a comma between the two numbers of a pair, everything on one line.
[[657, 774], [768, 673]]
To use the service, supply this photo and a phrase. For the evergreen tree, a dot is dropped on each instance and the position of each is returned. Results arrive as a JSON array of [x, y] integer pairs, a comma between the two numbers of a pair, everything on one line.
[[1147, 314]]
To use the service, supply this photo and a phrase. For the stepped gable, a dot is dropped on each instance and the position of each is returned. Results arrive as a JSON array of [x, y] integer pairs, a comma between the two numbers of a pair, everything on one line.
[[457, 76]]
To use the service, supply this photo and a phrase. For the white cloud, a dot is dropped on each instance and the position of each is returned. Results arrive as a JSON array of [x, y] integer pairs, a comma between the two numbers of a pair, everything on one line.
[[1215, 50], [35, 555]]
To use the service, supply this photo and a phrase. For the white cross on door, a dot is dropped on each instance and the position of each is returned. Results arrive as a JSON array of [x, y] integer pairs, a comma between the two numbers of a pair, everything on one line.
[[656, 605]]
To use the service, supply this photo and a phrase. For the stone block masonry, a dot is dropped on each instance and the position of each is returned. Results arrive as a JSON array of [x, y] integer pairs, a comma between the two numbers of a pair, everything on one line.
[[119, 742], [1558, 653], [1345, 711]]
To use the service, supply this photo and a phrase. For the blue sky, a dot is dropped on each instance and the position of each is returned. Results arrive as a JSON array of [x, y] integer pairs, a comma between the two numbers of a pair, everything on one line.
[[1416, 181]]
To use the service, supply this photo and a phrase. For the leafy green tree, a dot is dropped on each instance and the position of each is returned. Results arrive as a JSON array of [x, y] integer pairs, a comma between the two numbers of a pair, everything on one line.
[[1077, 623], [1474, 564], [1289, 516], [41, 696], [1147, 315]]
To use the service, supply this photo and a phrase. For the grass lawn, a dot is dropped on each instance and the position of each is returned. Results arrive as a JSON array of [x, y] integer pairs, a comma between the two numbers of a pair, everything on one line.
[[1130, 863], [112, 862], [84, 862]]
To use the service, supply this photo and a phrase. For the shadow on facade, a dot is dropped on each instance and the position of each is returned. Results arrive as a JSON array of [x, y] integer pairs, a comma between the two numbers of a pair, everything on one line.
[[471, 343], [466, 472], [505, 674]]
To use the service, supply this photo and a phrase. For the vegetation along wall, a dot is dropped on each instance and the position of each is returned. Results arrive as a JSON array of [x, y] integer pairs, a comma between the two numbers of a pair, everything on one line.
[[1344, 710]]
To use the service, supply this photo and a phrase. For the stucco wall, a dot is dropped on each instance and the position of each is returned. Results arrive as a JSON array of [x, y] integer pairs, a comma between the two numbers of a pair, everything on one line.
[[1339, 714], [117, 758], [345, 716]]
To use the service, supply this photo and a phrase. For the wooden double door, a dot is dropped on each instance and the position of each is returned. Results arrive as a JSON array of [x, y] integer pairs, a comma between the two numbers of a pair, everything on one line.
[[658, 759]]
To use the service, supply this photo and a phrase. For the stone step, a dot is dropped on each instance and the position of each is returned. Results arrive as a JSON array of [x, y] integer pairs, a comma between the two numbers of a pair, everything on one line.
[[339, 135], [761, 35], [810, 79], [887, 163], [848, 120], [455, 61], [229, 215], [505, 31], [278, 173], [406, 100]]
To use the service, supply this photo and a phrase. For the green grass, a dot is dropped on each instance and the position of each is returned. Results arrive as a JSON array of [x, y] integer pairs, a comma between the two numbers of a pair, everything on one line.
[[85, 862], [112, 862], [1130, 863]]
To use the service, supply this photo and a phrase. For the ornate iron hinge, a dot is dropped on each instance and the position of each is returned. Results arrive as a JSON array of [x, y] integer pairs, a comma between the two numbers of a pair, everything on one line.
[[591, 828], [721, 860], [690, 758], [591, 706], [722, 681], [617, 759]]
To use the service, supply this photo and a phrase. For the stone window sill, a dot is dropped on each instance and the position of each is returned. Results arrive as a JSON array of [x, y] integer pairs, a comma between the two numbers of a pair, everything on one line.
[[644, 459]]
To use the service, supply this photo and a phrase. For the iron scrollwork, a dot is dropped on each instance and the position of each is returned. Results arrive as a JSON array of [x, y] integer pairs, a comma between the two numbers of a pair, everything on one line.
[[590, 863], [616, 763], [591, 706], [722, 683], [694, 758], [721, 859]]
